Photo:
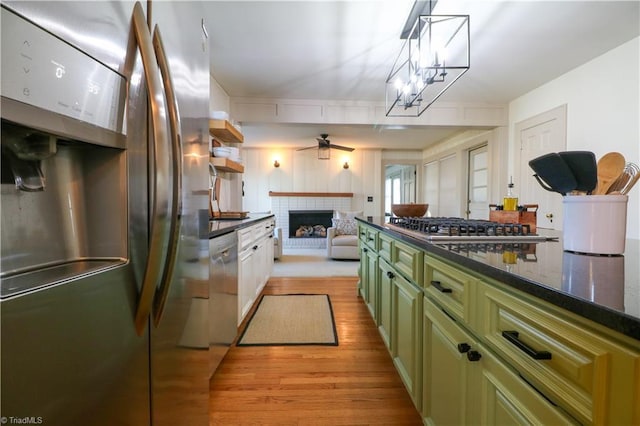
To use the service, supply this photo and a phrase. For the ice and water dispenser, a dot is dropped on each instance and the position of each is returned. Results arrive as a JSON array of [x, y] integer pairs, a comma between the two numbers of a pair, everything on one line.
[[64, 170]]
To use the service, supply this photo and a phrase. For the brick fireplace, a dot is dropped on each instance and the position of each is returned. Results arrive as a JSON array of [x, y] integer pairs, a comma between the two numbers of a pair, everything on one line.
[[283, 203]]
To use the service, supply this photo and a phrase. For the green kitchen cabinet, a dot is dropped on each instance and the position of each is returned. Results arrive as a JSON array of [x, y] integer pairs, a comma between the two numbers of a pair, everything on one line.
[[370, 281], [368, 243], [447, 373], [385, 247], [465, 383], [362, 274], [473, 350], [385, 285], [406, 333], [369, 236], [407, 260]]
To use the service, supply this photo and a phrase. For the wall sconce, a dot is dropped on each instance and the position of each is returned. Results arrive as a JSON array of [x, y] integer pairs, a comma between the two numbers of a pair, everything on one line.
[[345, 165], [276, 163]]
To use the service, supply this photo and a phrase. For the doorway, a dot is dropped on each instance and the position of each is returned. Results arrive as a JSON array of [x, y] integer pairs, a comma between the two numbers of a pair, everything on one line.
[[441, 187], [478, 183], [399, 185], [536, 136]]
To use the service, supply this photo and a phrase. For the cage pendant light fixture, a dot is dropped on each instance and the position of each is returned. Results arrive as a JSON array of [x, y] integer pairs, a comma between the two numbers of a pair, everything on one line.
[[434, 55]]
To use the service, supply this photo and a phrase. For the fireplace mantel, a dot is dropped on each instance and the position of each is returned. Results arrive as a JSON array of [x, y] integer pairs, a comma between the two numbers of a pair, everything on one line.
[[311, 194]]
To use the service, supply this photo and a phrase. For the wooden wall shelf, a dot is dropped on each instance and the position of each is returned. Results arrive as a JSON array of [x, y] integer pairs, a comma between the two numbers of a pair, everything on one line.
[[311, 194], [225, 165], [224, 131]]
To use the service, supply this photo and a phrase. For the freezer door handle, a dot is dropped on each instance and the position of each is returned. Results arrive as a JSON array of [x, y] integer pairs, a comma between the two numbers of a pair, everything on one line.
[[160, 208], [176, 187]]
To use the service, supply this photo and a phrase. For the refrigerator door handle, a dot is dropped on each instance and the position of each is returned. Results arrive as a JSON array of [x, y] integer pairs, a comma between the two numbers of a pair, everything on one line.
[[159, 232], [176, 149]]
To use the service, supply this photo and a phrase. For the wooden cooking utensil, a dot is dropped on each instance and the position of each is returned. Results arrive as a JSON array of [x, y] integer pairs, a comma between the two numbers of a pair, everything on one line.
[[610, 166]]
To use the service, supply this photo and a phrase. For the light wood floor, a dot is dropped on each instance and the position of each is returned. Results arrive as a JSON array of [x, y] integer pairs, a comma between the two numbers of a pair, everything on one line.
[[354, 383]]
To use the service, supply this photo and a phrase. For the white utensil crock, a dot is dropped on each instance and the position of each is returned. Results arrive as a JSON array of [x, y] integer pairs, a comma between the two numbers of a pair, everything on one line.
[[595, 224]]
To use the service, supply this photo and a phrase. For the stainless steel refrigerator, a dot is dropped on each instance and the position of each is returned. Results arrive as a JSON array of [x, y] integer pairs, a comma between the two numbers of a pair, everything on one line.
[[104, 249]]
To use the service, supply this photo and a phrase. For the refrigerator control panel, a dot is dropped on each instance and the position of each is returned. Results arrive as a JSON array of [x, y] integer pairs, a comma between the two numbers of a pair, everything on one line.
[[42, 70]]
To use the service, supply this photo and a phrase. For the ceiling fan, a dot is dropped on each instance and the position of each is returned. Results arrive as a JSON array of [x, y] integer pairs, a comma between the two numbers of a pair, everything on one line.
[[325, 145]]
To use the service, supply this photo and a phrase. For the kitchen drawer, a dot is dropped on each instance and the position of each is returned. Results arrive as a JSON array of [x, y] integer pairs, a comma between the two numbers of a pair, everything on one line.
[[371, 238], [407, 260], [362, 233], [385, 244], [248, 236], [592, 377], [265, 228], [452, 289]]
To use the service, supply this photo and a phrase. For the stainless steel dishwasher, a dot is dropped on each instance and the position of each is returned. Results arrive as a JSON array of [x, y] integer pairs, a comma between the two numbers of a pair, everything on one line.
[[223, 295]]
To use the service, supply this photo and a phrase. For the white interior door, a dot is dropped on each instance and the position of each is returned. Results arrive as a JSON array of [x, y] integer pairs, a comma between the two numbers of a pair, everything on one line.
[[431, 187], [478, 185], [409, 184], [541, 135], [449, 201]]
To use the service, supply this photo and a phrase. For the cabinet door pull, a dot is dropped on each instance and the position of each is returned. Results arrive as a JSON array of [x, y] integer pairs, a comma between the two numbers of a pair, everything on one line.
[[370, 239], [366, 250], [255, 247], [512, 336], [463, 347], [390, 274], [439, 287], [474, 356]]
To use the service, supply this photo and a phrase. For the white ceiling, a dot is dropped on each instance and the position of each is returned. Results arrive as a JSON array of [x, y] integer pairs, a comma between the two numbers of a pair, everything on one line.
[[343, 50]]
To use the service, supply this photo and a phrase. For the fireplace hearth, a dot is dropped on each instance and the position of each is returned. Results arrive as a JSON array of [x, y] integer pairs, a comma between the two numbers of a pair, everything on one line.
[[309, 223]]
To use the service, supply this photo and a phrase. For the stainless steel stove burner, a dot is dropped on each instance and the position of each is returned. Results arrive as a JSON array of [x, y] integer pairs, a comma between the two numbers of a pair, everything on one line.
[[458, 229]]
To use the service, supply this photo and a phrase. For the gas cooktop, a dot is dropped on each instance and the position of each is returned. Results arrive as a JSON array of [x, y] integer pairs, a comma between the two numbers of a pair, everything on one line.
[[457, 229]]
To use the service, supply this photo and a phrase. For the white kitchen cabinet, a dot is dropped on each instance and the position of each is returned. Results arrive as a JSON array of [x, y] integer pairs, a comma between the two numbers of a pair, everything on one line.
[[246, 282], [255, 263]]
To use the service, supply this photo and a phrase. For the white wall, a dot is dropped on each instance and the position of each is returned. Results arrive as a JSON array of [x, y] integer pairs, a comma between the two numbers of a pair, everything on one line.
[[603, 111], [301, 171], [218, 98]]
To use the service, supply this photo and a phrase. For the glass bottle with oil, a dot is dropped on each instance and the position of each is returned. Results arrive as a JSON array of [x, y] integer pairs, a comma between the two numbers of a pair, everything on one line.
[[510, 201]]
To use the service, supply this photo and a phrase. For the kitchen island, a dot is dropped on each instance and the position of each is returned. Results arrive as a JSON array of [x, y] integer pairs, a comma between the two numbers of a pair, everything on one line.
[[604, 289], [505, 332]]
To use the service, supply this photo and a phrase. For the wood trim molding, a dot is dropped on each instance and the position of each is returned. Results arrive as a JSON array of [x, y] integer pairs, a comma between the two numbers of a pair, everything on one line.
[[311, 194]]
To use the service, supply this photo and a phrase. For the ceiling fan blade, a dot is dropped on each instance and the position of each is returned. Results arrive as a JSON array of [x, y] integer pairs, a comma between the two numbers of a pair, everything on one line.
[[343, 148], [309, 147]]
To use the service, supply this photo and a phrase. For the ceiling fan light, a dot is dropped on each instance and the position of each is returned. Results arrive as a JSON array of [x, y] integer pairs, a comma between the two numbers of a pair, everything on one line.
[[324, 153]]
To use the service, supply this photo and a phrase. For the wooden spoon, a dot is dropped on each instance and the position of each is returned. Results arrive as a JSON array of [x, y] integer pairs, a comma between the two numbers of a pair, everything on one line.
[[609, 168]]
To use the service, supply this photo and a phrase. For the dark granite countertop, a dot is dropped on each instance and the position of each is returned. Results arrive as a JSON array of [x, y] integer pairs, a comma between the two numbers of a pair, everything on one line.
[[221, 227], [604, 289]]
